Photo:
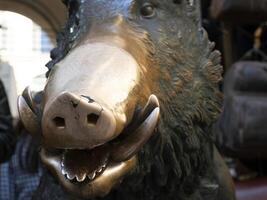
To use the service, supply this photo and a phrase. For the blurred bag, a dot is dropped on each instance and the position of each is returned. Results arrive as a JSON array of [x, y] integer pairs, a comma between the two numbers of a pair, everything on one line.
[[239, 11], [243, 123]]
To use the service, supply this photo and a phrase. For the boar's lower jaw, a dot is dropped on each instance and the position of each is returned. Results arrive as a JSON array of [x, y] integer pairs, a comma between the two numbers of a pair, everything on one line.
[[84, 165], [98, 186], [94, 172]]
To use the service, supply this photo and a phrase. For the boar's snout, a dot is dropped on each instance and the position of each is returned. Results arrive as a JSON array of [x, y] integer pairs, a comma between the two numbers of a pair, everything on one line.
[[97, 113], [69, 120]]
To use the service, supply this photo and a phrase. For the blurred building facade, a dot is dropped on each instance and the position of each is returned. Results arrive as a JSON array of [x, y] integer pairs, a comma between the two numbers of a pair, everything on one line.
[[28, 30], [24, 51]]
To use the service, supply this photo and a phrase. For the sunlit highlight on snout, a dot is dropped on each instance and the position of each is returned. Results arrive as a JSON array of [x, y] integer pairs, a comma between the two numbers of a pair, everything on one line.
[[92, 84], [105, 72], [94, 121]]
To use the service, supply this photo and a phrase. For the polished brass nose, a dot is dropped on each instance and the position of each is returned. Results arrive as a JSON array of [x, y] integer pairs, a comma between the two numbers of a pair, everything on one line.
[[77, 121], [69, 109], [92, 119]]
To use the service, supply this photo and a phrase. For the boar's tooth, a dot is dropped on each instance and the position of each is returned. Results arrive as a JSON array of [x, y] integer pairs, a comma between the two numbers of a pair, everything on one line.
[[80, 178], [63, 171], [100, 170], [70, 176], [92, 176], [62, 163], [102, 167]]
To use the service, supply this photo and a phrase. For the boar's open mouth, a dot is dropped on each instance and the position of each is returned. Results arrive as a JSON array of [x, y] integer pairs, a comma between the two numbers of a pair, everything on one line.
[[87, 173], [78, 166], [94, 172]]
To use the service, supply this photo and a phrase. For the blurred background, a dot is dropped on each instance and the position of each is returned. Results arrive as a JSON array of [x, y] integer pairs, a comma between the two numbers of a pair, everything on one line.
[[27, 34]]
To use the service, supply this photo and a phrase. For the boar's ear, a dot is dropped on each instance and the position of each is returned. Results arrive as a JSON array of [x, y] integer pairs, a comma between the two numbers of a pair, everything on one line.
[[27, 112]]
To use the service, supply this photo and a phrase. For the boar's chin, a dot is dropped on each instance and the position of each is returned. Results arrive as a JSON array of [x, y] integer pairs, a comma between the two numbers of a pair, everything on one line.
[[95, 172]]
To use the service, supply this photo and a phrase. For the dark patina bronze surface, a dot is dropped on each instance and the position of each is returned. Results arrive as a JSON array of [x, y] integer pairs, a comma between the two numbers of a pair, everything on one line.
[[127, 111]]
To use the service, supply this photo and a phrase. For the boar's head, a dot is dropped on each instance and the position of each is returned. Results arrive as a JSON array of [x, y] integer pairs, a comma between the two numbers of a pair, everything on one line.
[[116, 63]]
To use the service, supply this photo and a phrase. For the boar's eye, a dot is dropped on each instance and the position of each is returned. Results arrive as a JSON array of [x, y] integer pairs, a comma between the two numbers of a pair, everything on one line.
[[148, 10]]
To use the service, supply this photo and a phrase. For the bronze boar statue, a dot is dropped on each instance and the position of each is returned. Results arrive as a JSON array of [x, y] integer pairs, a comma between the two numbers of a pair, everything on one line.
[[127, 111]]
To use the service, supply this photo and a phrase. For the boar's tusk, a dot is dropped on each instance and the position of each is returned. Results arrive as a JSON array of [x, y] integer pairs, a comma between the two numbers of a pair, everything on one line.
[[27, 116], [152, 103], [134, 142], [27, 95]]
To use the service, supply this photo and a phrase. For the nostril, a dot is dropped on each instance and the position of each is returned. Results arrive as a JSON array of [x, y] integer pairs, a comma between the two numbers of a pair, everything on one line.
[[59, 122], [92, 119]]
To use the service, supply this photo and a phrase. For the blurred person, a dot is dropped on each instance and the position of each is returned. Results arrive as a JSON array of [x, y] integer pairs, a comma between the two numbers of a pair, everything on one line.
[[8, 79], [20, 177], [7, 135]]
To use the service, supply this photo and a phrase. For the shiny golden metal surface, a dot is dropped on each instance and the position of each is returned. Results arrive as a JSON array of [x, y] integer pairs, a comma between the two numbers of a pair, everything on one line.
[[105, 73], [101, 85], [70, 114]]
